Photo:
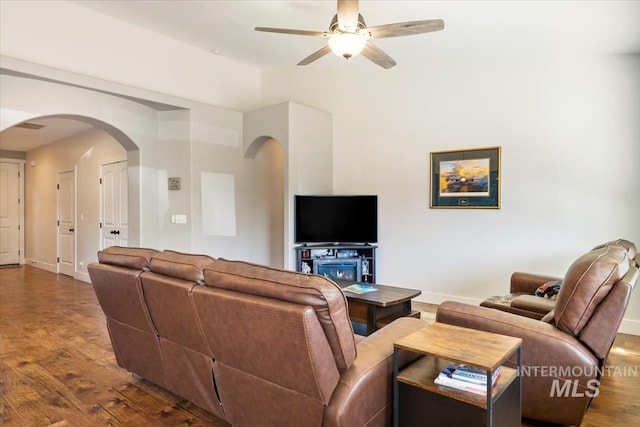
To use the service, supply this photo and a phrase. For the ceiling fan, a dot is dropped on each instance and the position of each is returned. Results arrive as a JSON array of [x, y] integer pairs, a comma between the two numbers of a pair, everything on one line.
[[349, 36]]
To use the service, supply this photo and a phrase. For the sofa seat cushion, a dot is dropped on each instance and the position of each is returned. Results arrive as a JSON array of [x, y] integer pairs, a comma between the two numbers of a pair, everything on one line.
[[135, 258], [325, 296]]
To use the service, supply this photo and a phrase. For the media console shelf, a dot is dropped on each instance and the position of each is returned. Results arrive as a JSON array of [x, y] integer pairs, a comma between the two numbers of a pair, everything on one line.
[[355, 262]]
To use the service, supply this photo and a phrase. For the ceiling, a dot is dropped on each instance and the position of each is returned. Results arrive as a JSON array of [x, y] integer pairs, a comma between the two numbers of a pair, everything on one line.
[[470, 26], [20, 139], [482, 28]]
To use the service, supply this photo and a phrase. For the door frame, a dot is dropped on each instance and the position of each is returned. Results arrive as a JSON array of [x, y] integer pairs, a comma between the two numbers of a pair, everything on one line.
[[102, 197], [21, 218], [75, 222]]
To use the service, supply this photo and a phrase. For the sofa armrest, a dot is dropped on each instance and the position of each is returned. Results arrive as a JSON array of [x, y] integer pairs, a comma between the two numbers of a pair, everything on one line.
[[364, 394], [527, 283]]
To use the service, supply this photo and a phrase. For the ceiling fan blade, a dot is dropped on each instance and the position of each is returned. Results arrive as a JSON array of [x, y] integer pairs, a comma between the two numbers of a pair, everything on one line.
[[377, 55], [348, 11], [315, 55], [405, 28], [296, 32]]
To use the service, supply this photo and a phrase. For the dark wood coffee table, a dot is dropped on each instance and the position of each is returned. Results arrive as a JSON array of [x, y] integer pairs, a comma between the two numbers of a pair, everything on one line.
[[378, 308]]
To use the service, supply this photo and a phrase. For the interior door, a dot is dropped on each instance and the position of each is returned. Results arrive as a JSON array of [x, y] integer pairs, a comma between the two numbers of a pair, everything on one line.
[[66, 222], [9, 213], [115, 204]]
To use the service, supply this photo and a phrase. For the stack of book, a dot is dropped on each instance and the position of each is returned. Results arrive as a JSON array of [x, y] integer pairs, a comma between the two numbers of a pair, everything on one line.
[[466, 378]]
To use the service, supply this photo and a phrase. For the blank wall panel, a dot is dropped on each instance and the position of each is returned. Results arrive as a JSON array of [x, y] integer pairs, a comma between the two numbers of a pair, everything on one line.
[[218, 204]]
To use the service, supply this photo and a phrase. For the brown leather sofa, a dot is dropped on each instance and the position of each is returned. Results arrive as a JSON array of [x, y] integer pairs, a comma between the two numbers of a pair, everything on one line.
[[252, 344], [522, 298], [563, 354]]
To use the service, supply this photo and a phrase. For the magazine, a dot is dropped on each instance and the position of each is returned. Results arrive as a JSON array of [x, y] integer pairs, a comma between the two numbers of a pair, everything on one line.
[[466, 378], [461, 385], [359, 289], [474, 375]]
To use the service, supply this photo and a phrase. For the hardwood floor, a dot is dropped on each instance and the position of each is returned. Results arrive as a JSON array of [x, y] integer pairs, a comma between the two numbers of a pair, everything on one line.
[[57, 367]]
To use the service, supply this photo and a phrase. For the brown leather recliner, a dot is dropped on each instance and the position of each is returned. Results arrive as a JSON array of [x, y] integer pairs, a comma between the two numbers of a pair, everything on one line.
[[285, 351], [522, 298], [563, 354]]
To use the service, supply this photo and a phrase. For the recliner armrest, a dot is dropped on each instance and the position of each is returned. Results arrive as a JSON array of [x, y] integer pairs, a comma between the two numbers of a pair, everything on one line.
[[550, 358], [364, 392], [542, 343], [528, 283], [534, 304]]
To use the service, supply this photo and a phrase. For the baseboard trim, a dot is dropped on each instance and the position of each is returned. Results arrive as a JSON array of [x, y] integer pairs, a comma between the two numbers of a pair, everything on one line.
[[630, 326], [83, 277], [434, 298], [52, 268]]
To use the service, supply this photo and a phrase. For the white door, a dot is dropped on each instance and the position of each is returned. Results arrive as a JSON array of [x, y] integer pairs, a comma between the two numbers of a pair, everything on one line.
[[9, 213], [115, 204], [66, 222]]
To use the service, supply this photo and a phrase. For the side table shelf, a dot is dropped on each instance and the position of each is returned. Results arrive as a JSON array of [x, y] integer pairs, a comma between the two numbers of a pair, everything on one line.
[[417, 399]]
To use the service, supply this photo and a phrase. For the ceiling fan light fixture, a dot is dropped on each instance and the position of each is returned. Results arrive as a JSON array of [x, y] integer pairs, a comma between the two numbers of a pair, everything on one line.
[[347, 45]]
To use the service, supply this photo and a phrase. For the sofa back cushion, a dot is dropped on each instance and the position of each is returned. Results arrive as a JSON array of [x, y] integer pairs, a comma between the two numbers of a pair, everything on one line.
[[135, 258], [271, 356], [180, 265], [116, 282], [586, 284], [326, 298], [167, 290]]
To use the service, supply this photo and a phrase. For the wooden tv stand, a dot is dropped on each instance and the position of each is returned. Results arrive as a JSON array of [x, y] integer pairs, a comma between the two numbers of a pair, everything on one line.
[[307, 255]]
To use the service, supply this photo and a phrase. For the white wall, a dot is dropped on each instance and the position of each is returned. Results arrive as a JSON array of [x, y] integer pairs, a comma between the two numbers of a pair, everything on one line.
[[258, 184], [306, 135], [570, 156]]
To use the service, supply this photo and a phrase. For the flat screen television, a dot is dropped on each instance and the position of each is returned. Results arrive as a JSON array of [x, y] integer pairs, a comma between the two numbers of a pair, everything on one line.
[[336, 219]]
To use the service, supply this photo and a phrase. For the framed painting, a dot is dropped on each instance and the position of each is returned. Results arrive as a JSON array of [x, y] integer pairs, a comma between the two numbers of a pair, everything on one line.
[[466, 178]]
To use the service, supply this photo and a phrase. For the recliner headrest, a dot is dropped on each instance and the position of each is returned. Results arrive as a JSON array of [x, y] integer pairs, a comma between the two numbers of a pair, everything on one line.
[[629, 247], [587, 282]]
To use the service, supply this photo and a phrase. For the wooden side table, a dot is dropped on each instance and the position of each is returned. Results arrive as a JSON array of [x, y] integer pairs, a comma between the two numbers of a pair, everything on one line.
[[381, 307], [418, 400]]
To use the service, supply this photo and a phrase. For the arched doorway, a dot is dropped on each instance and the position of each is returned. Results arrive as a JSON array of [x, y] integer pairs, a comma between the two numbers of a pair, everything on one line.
[[268, 174], [72, 146]]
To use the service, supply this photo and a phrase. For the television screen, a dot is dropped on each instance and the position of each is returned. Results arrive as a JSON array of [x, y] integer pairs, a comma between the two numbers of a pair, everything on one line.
[[336, 219]]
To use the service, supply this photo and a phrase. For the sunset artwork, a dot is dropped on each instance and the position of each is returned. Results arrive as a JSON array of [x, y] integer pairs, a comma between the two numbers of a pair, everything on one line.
[[464, 178]]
